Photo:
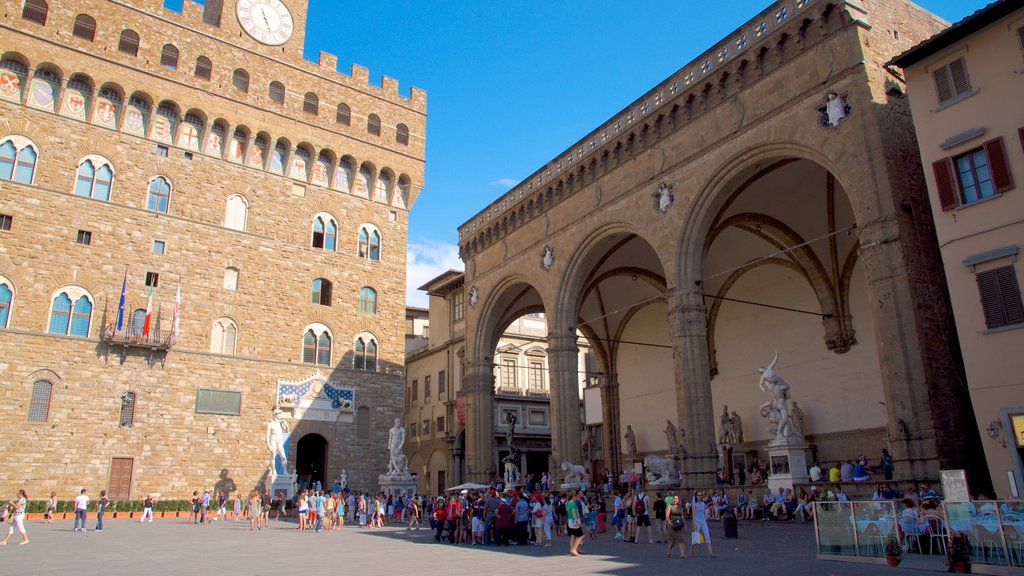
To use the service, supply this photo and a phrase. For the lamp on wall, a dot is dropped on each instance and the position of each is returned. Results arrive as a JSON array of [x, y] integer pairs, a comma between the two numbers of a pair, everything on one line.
[[994, 428]]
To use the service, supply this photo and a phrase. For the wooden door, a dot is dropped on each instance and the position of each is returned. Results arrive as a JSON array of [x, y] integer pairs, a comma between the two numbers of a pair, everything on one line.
[[119, 486]]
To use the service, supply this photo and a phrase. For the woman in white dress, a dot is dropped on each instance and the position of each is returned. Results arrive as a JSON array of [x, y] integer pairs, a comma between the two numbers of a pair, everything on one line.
[[17, 511]]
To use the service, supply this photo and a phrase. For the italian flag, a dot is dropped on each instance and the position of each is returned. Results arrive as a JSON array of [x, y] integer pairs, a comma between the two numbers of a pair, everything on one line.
[[149, 313]]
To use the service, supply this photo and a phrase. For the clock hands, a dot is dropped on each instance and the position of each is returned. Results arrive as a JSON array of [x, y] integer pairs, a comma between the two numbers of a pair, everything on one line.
[[263, 13]]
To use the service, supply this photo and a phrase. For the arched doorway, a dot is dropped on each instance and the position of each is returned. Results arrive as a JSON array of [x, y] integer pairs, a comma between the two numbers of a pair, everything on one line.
[[311, 459]]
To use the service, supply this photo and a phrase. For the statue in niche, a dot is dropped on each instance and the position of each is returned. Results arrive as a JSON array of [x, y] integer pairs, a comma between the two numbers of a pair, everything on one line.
[[673, 438], [737, 426], [726, 437], [547, 260], [836, 108], [663, 198], [777, 409], [276, 429], [474, 296], [343, 479], [630, 445]]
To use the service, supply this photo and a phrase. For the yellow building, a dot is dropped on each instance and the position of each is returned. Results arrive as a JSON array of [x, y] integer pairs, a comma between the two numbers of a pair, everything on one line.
[[966, 85], [196, 153]]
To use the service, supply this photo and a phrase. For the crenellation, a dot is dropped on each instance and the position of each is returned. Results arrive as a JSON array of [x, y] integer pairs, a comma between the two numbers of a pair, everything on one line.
[[328, 61], [389, 85], [360, 74]]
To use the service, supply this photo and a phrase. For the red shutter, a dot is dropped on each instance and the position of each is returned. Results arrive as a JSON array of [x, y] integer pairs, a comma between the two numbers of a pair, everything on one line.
[[991, 302], [944, 183], [1002, 180], [1021, 130], [1013, 308], [1000, 297]]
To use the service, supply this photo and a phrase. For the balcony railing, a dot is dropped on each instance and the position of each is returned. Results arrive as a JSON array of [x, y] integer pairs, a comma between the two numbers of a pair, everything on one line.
[[157, 340], [522, 392]]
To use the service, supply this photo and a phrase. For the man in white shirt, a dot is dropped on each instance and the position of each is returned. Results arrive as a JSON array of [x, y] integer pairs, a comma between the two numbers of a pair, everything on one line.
[[81, 505], [815, 473]]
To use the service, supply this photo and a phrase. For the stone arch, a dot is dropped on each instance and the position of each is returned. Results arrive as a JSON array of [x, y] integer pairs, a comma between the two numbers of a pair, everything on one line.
[[506, 301]]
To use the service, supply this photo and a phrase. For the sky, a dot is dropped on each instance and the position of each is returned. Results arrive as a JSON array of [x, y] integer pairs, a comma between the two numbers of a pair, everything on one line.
[[512, 84]]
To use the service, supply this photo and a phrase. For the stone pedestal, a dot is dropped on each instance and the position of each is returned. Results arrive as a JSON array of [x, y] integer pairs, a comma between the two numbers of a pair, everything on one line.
[[397, 484], [787, 465], [283, 484]]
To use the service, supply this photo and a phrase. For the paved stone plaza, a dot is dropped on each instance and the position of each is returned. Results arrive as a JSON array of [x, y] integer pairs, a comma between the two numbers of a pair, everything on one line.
[[170, 546]]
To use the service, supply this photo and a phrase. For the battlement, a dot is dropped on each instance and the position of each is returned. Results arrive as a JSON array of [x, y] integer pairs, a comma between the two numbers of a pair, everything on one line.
[[761, 43]]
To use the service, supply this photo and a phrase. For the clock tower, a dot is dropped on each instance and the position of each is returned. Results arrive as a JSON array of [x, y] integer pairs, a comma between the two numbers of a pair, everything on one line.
[[271, 26]]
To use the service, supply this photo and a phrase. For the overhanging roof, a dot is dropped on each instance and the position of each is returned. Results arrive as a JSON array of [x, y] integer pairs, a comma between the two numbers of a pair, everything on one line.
[[981, 19]]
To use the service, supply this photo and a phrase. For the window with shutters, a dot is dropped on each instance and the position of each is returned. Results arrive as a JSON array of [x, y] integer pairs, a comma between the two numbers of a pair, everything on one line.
[[129, 43], [240, 80], [85, 27], [1020, 38], [277, 92], [204, 68], [951, 82], [39, 405], [1000, 297], [311, 104], [35, 11], [972, 176], [169, 56], [127, 417]]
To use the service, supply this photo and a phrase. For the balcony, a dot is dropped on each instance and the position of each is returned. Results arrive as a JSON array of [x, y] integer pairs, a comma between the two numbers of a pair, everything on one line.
[[522, 392], [156, 342]]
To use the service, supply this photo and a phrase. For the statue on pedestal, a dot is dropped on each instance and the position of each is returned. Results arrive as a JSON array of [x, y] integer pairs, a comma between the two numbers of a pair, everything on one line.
[[777, 409], [396, 445], [673, 439], [737, 426], [343, 479], [630, 445], [276, 429]]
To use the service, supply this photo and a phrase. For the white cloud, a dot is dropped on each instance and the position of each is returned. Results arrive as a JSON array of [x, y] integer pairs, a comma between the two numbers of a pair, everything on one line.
[[505, 182], [425, 260]]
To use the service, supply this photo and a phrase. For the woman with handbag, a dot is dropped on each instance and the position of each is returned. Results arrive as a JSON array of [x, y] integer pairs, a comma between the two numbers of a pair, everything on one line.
[[675, 525], [701, 534], [16, 516]]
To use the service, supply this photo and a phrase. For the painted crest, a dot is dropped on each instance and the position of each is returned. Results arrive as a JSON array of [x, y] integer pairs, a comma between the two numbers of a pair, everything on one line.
[[316, 398], [133, 121], [42, 94], [188, 137], [10, 85], [74, 104], [255, 156], [298, 168], [320, 174], [105, 112], [213, 144], [162, 128]]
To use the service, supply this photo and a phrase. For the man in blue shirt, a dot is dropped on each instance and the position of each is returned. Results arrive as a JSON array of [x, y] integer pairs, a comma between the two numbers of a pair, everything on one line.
[[522, 510], [320, 500]]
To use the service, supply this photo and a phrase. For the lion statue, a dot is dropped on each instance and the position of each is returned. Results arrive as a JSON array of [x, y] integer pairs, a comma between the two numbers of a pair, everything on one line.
[[661, 471], [574, 473]]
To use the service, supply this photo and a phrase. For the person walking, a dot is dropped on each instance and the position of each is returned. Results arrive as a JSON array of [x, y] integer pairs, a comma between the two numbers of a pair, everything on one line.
[[17, 511], [101, 509], [255, 515], [147, 509], [574, 519], [81, 505], [674, 529], [236, 511], [51, 507], [701, 533]]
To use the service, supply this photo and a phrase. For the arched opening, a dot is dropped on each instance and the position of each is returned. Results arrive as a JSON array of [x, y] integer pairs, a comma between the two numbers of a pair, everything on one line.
[[311, 459]]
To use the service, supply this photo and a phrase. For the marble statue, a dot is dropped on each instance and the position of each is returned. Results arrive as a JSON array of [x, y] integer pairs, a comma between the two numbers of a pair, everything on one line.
[[673, 438], [796, 417], [396, 446], [548, 258], [777, 409], [343, 480], [510, 430], [661, 471], [511, 473], [474, 296], [664, 197], [630, 445], [276, 429], [574, 474], [737, 426], [585, 444], [726, 437]]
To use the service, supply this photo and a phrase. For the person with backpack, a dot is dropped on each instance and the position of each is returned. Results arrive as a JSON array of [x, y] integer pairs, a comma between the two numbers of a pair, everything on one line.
[[643, 517]]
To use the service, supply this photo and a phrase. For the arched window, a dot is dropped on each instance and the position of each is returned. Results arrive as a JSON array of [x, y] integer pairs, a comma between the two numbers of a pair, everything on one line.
[[129, 43], [321, 291], [369, 243], [240, 80], [344, 115], [169, 56], [365, 357], [363, 180], [39, 406], [68, 319], [95, 177], [35, 11], [368, 300], [277, 92], [159, 195], [138, 322], [373, 124], [204, 68], [6, 299], [237, 212], [85, 27], [18, 157], [316, 345], [325, 233], [231, 278], [402, 134], [127, 410], [223, 336], [311, 104], [278, 157]]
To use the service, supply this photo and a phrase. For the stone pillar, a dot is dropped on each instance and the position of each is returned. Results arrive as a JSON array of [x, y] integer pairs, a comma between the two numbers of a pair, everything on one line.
[[907, 390], [688, 326], [563, 360], [478, 389], [610, 429]]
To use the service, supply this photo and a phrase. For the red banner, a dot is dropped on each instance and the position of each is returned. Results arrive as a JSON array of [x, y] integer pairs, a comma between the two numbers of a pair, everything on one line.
[[460, 409]]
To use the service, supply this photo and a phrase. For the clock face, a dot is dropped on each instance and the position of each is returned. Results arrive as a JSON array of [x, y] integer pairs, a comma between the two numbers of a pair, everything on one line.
[[267, 21]]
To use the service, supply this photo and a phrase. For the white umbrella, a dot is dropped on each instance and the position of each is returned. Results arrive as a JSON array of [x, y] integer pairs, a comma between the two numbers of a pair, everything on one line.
[[467, 486]]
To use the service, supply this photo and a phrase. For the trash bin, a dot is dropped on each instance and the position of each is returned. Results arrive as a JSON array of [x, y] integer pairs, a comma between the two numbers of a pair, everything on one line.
[[729, 525]]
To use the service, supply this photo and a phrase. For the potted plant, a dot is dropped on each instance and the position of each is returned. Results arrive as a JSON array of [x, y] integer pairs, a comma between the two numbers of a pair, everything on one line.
[[893, 551], [958, 554]]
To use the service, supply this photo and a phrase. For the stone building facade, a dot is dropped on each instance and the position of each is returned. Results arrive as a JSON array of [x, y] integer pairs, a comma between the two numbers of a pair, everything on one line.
[[971, 135], [196, 153], [766, 197]]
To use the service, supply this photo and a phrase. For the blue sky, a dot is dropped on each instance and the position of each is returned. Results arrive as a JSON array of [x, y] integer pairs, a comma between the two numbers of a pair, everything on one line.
[[512, 84]]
